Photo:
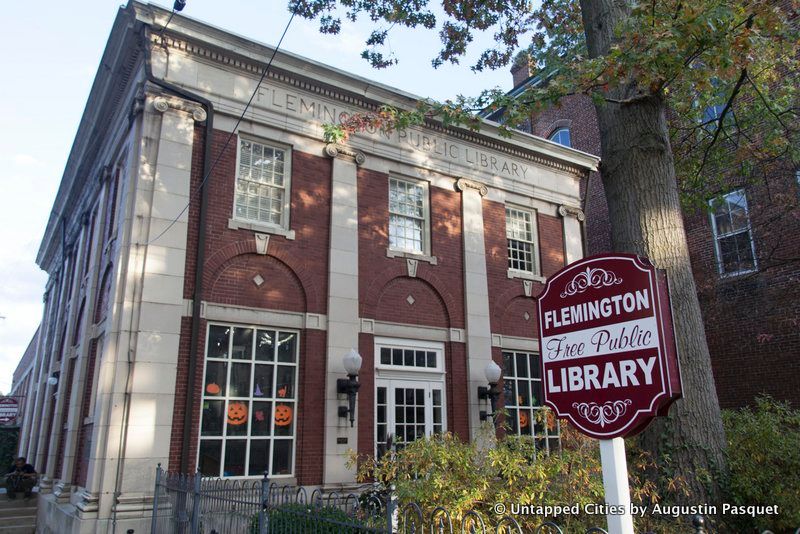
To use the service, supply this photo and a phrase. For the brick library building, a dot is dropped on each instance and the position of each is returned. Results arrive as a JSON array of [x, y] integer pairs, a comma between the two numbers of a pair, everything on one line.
[[214, 286]]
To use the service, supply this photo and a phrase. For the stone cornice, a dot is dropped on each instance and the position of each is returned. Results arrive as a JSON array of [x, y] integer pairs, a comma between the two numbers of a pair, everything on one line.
[[231, 59]]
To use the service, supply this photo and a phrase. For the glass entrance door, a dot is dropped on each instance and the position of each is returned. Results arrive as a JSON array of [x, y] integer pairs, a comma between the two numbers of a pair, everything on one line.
[[407, 410]]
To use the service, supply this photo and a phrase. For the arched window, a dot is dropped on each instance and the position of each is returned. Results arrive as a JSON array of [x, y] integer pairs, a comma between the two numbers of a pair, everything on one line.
[[562, 137]]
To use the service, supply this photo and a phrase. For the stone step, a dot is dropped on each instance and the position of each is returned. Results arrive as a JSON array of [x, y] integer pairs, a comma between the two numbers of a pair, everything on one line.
[[19, 529], [28, 511], [6, 522]]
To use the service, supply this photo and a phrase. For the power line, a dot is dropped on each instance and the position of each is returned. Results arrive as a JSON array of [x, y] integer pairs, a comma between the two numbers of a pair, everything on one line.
[[194, 193]]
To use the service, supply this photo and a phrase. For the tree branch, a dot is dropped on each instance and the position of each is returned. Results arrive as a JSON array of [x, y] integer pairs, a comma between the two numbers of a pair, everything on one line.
[[721, 118]]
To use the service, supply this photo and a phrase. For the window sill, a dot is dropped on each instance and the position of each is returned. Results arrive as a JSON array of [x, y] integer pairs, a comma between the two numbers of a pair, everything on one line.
[[736, 274], [391, 253], [237, 224], [513, 273]]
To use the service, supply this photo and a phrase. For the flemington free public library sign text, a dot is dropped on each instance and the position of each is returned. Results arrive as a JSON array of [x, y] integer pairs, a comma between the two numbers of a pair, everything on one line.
[[608, 355]]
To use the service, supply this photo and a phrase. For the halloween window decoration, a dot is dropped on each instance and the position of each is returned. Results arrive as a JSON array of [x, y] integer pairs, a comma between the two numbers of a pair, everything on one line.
[[522, 387], [237, 413], [249, 402]]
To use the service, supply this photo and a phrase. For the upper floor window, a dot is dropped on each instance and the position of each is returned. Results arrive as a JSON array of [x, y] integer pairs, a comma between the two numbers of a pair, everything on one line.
[[249, 402], [408, 216], [562, 137], [521, 236], [733, 238], [262, 183]]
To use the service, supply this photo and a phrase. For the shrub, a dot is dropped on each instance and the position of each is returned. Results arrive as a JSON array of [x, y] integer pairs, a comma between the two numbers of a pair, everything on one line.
[[290, 518], [764, 463], [459, 476]]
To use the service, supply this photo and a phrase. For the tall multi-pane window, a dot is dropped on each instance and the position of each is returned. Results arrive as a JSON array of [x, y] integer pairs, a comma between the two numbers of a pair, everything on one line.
[[249, 402], [522, 390], [733, 238], [408, 213], [562, 137], [521, 236], [262, 183]]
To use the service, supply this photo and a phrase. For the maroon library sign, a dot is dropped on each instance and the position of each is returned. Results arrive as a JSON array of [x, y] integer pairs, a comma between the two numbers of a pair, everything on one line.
[[9, 407], [608, 355]]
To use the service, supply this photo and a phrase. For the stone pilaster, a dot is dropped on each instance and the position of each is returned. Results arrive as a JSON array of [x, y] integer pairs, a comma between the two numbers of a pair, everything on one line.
[[476, 294], [572, 221], [343, 321]]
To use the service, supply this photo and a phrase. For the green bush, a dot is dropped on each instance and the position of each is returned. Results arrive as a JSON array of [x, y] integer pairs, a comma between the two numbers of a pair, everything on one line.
[[459, 476], [764, 463]]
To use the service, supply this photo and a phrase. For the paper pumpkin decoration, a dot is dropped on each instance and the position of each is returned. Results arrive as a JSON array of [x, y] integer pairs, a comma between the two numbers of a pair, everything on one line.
[[237, 413], [283, 415], [523, 419], [213, 388]]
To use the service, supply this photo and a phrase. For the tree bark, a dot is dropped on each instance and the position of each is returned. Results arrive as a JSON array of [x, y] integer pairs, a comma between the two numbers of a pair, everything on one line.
[[644, 211]]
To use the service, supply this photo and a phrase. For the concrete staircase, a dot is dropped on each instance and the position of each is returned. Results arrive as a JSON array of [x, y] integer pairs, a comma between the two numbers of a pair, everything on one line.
[[18, 516]]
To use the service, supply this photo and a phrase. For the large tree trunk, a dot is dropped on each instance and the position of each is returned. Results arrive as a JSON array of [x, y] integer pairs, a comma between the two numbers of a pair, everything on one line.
[[644, 211]]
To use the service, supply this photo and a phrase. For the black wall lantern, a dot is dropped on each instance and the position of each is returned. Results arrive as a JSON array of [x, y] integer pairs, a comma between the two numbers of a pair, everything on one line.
[[492, 373], [349, 386]]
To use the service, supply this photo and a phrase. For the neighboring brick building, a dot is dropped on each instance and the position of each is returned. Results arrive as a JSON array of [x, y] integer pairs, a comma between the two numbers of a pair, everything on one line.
[[751, 300], [214, 340]]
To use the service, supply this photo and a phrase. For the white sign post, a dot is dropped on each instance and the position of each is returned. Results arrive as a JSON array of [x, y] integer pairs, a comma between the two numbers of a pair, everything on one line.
[[615, 482]]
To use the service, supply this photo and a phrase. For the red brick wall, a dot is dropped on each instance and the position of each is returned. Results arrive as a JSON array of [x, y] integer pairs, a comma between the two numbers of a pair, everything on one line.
[[507, 300], [384, 284], [753, 320], [295, 279]]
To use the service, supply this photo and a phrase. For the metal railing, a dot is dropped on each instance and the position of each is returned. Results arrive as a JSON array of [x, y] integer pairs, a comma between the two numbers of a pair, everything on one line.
[[193, 504]]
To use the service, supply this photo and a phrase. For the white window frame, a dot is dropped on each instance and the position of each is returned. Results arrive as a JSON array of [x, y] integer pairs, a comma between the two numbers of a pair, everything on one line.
[[536, 268], [537, 406], [717, 236], [425, 253], [557, 133], [237, 221], [226, 398], [410, 376]]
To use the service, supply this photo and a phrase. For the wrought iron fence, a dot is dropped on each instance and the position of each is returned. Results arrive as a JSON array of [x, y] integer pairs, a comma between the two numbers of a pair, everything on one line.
[[193, 504]]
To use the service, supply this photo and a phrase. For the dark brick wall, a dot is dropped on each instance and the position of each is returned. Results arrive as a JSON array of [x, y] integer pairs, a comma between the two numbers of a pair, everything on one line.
[[752, 321]]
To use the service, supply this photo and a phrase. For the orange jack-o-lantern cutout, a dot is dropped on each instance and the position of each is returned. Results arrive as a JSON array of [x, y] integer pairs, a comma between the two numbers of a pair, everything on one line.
[[523, 420], [283, 415], [213, 389], [237, 413]]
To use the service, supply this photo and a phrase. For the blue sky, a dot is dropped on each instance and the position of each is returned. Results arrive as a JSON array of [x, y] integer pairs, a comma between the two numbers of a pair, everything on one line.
[[51, 54]]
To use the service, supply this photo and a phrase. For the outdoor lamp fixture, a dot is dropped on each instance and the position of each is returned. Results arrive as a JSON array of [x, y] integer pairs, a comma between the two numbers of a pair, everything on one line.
[[349, 386], [492, 373]]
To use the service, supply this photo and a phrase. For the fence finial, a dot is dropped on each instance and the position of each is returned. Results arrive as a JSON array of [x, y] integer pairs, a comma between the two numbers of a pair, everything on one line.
[[699, 524]]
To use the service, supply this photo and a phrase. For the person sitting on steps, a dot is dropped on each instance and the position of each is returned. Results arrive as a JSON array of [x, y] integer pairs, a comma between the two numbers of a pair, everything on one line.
[[21, 477]]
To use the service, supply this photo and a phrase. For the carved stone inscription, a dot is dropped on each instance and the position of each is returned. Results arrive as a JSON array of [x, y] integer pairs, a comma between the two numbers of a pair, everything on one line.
[[305, 106]]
